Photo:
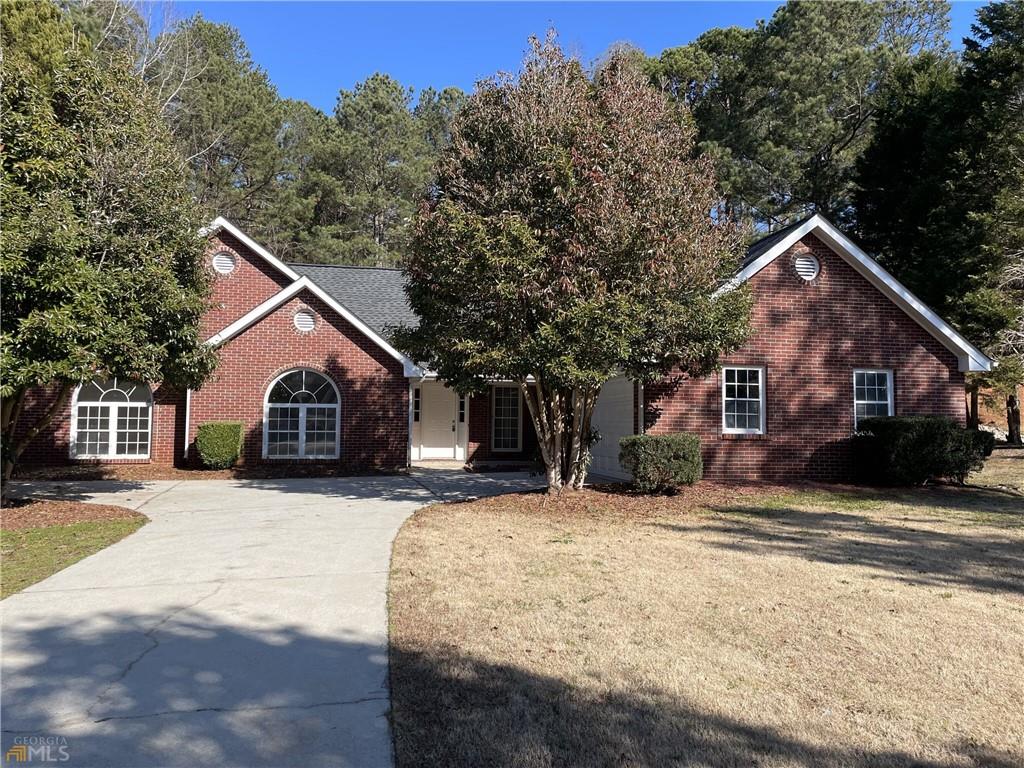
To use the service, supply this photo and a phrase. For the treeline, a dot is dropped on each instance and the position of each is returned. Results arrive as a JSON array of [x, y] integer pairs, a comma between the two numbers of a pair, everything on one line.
[[338, 188], [860, 111]]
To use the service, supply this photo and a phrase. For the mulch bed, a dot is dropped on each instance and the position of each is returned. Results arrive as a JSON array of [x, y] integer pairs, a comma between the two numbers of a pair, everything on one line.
[[620, 500], [31, 513]]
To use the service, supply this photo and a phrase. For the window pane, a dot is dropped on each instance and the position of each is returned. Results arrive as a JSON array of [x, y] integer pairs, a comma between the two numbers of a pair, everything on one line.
[[506, 418], [283, 431], [132, 430], [93, 430], [870, 394], [320, 430], [741, 403]]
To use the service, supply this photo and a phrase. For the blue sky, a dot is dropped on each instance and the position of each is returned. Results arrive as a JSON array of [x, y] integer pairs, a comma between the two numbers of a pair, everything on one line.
[[312, 49]]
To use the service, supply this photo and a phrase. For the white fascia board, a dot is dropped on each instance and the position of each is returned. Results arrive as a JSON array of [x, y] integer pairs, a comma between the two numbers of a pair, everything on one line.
[[969, 357], [257, 312], [220, 223], [410, 369]]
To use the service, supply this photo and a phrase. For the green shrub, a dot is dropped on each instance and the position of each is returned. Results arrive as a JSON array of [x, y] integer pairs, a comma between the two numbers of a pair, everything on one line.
[[986, 440], [661, 463], [219, 443], [911, 450]]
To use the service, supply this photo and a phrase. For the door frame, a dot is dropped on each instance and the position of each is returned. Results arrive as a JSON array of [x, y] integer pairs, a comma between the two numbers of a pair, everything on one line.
[[460, 442]]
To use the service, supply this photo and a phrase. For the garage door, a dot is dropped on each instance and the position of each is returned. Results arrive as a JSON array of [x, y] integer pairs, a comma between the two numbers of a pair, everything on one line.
[[613, 418]]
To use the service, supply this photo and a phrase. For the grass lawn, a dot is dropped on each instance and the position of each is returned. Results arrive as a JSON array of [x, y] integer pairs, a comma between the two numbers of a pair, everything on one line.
[[29, 552], [722, 627]]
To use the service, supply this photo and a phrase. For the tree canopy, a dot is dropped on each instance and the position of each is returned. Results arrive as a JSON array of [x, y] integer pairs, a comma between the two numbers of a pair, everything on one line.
[[101, 257], [569, 238], [786, 108]]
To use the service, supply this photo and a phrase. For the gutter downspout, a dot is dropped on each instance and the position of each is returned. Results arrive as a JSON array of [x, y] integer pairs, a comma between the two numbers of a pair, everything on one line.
[[188, 417]]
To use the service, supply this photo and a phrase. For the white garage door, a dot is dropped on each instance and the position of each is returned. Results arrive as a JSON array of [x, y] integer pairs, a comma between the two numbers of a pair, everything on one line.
[[613, 418]]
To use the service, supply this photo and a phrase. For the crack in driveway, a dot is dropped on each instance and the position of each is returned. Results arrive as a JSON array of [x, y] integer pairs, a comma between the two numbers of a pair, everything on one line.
[[149, 634]]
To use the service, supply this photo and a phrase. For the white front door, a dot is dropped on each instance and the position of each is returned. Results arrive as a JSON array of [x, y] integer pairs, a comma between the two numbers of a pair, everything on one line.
[[438, 421], [613, 418]]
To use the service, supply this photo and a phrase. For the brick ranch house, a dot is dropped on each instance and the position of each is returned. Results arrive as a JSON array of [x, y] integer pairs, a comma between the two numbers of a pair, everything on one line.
[[306, 367]]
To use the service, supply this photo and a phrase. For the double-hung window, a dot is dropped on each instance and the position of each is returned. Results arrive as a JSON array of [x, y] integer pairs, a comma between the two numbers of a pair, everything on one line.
[[112, 420], [506, 419], [302, 417], [872, 394], [743, 400]]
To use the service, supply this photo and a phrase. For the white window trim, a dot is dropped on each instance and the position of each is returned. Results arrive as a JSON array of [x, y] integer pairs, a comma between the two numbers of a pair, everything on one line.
[[519, 413], [302, 420], [890, 377], [762, 391], [112, 429]]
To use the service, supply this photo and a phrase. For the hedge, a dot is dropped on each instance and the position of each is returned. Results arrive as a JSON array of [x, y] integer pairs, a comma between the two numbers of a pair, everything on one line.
[[219, 443], [661, 463], [911, 450]]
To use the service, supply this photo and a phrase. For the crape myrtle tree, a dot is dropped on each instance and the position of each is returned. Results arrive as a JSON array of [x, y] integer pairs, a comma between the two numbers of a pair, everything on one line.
[[569, 239], [100, 256]]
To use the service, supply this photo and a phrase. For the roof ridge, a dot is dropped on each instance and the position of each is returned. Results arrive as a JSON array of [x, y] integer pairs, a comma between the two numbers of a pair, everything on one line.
[[344, 266]]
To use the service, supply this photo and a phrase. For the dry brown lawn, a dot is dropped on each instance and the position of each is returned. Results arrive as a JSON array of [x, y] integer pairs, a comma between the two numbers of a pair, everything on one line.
[[723, 627]]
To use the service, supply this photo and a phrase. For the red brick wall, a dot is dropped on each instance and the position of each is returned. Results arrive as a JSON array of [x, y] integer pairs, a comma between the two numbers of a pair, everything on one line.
[[374, 391], [50, 447], [251, 283], [810, 337], [479, 437]]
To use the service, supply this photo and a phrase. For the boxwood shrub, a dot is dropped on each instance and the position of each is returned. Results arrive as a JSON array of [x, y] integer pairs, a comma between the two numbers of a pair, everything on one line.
[[662, 463], [219, 443], [911, 450]]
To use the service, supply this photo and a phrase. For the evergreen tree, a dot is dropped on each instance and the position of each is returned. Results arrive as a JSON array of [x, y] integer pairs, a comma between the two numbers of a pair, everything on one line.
[[929, 183], [786, 109], [100, 257]]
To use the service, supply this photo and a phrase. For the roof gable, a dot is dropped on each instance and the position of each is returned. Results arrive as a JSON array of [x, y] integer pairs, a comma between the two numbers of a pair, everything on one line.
[[299, 283], [376, 296], [760, 255], [220, 223]]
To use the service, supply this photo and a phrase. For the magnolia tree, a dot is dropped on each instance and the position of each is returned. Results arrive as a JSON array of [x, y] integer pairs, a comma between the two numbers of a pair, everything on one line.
[[100, 256], [568, 240]]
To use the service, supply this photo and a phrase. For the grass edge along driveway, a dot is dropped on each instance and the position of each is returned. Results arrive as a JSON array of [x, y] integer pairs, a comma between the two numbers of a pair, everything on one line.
[[39, 538]]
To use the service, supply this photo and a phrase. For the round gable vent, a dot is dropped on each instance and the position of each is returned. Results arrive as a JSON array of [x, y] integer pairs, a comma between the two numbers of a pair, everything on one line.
[[807, 267], [224, 262], [304, 321]]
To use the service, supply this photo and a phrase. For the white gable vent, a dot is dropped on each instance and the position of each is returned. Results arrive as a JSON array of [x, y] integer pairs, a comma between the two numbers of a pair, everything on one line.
[[224, 262], [807, 267], [304, 321]]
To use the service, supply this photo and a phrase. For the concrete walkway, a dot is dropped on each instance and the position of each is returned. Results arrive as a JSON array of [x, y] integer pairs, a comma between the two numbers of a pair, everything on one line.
[[245, 625]]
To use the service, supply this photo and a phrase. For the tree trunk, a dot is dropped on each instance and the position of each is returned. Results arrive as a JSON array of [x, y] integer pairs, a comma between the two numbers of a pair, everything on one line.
[[972, 411], [12, 449], [1013, 419], [561, 420]]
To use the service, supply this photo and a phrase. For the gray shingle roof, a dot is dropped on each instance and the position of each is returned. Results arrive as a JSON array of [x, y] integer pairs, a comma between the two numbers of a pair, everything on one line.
[[760, 247], [375, 296]]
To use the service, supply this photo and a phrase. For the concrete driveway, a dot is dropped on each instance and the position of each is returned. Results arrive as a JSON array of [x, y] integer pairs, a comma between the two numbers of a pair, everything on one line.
[[246, 625]]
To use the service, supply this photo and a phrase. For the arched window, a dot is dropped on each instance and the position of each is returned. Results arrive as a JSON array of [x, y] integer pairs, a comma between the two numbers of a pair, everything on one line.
[[111, 419], [301, 417]]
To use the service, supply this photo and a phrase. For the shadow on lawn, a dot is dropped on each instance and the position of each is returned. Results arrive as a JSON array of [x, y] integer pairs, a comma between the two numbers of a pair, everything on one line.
[[912, 555], [183, 687], [459, 712]]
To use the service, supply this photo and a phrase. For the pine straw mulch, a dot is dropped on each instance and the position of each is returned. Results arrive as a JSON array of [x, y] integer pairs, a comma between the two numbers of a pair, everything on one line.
[[19, 514], [621, 501]]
